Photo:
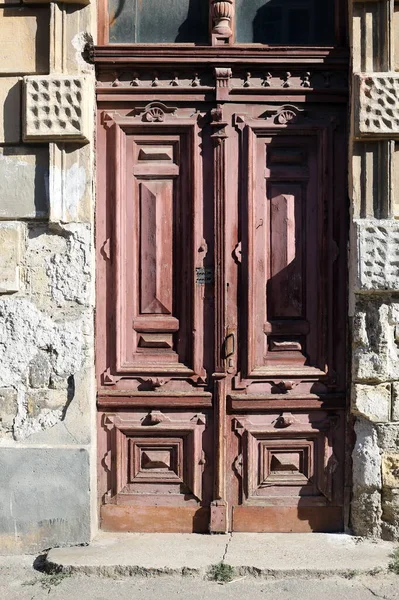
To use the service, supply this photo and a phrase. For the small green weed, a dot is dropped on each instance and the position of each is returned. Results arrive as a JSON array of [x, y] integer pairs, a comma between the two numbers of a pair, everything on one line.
[[351, 574], [221, 572], [394, 564]]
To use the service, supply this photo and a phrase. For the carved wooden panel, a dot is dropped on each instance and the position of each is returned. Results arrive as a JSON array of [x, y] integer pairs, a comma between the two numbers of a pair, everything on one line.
[[154, 211], [286, 256], [158, 458], [288, 457]]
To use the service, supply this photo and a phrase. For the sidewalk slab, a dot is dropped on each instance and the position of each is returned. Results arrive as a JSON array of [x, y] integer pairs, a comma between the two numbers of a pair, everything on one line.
[[262, 554], [141, 553], [306, 554]]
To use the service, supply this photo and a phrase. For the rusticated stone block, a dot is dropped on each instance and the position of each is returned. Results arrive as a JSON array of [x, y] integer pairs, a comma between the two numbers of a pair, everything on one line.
[[375, 354], [376, 103], [366, 456], [390, 470], [377, 245], [11, 239], [372, 401], [366, 513], [56, 108]]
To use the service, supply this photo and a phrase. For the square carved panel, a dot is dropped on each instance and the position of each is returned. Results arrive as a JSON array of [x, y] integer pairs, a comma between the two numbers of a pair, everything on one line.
[[282, 464], [286, 458], [56, 108], [158, 458]]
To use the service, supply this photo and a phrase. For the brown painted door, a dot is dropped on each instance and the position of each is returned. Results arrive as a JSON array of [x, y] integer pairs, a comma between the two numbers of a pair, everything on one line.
[[221, 236]]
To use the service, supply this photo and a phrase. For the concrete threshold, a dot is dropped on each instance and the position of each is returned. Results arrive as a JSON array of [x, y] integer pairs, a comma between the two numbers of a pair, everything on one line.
[[250, 554]]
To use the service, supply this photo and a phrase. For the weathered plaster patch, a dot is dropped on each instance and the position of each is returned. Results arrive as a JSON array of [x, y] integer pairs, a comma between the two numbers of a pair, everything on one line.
[[25, 424], [24, 330], [79, 42], [27, 335], [69, 272]]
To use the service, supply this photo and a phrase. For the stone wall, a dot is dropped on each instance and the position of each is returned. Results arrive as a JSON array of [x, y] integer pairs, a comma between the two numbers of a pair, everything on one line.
[[374, 267], [47, 386]]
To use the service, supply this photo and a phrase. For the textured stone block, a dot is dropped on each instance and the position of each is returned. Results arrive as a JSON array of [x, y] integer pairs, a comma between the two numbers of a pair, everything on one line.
[[44, 498], [56, 108], [395, 401], [372, 401], [375, 355], [366, 456], [8, 410], [366, 513], [377, 104], [388, 436], [11, 241], [23, 182], [377, 256], [10, 109], [24, 44], [390, 470]]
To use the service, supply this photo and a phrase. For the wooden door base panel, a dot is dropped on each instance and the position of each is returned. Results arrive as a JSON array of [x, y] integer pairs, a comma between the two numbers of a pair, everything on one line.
[[154, 519], [287, 519]]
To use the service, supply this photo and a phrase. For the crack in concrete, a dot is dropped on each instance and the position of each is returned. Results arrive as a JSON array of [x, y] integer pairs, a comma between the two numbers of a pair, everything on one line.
[[227, 546], [375, 593]]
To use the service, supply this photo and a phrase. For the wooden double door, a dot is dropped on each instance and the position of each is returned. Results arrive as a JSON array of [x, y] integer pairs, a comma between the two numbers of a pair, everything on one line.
[[221, 306]]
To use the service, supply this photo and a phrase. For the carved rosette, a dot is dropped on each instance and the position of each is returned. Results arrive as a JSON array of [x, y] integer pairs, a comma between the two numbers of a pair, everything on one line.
[[222, 14]]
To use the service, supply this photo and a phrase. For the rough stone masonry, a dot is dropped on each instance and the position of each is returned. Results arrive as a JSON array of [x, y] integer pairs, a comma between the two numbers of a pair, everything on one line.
[[47, 389]]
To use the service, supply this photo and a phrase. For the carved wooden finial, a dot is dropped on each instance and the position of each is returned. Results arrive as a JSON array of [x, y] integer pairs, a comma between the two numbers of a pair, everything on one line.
[[222, 14]]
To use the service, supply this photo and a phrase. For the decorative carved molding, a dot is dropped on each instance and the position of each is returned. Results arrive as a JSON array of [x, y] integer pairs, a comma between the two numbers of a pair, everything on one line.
[[155, 112], [288, 113], [223, 83], [376, 104], [56, 108]]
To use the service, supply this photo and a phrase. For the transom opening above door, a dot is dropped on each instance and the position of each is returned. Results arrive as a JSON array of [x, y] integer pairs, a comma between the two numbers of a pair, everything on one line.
[[219, 22]]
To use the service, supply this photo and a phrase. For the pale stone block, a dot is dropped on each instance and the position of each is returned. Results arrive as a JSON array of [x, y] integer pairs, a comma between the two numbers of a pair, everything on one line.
[[11, 241], [376, 256], [56, 108], [373, 402], [70, 185], [376, 104], [24, 44], [371, 179], [10, 110], [23, 182], [366, 456], [390, 470]]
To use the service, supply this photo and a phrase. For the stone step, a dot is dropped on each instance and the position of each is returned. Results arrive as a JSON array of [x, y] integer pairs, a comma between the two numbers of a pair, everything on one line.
[[267, 555]]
